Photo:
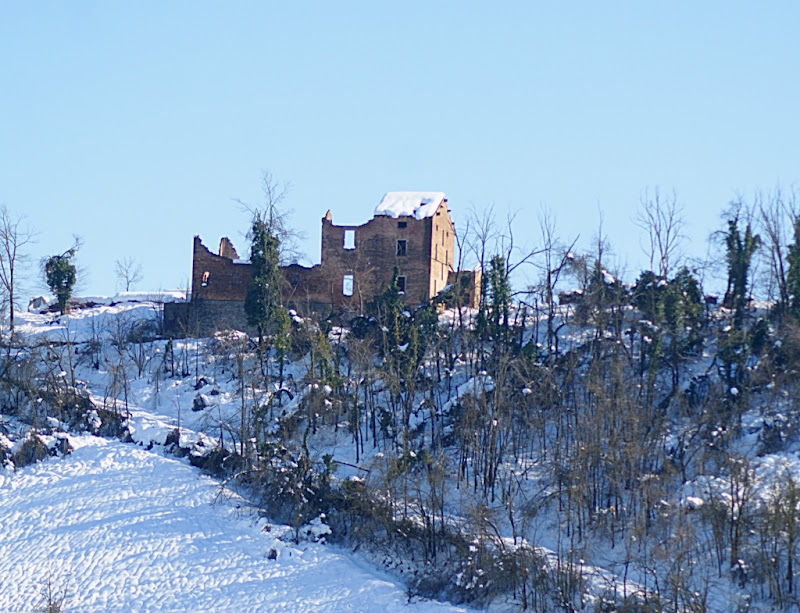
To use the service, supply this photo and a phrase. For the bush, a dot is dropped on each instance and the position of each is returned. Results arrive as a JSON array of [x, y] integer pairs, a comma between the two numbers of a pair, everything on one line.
[[31, 451], [52, 598]]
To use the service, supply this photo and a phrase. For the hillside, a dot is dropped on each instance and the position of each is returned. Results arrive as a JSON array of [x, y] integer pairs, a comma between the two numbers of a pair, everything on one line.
[[593, 456], [113, 526]]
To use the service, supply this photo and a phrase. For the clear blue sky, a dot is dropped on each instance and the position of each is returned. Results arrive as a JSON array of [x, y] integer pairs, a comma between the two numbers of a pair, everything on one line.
[[134, 124]]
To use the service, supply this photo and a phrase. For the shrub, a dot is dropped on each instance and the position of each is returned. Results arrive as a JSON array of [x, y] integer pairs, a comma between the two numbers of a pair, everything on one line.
[[31, 451]]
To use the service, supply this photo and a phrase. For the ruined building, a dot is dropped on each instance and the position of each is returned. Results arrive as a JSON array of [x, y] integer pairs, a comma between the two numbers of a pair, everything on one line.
[[411, 231]]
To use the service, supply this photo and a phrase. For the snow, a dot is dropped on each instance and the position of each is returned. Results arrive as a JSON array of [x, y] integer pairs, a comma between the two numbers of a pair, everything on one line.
[[38, 304], [123, 527], [120, 528], [84, 324], [419, 205], [122, 297]]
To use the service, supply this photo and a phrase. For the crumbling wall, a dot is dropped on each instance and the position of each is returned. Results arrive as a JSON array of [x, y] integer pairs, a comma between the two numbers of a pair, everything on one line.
[[226, 249], [218, 277], [204, 318], [357, 264], [463, 289], [311, 291], [421, 249]]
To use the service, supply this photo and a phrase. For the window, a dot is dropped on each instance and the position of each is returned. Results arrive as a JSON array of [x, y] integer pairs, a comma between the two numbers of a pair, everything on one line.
[[402, 247], [347, 285], [401, 285], [349, 239], [294, 279], [204, 280], [402, 224]]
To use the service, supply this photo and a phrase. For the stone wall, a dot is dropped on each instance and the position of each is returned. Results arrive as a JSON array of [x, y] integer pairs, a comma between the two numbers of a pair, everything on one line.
[[204, 318], [421, 249], [216, 277], [357, 264]]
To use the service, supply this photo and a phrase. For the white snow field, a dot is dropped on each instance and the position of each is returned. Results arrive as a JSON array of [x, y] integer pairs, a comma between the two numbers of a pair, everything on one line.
[[120, 528]]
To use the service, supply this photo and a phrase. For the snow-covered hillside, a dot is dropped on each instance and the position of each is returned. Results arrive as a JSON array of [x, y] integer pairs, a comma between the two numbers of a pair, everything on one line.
[[118, 528], [579, 458]]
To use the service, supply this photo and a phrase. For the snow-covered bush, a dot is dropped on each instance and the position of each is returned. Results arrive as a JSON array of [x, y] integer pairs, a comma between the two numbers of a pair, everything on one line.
[[30, 450]]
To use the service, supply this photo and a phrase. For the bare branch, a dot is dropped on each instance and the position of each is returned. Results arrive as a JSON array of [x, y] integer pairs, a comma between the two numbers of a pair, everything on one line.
[[662, 218], [128, 271], [14, 237], [275, 216]]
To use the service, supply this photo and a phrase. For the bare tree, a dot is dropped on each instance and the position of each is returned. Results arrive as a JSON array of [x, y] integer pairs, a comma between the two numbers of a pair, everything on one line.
[[14, 236], [557, 258], [128, 271], [776, 217], [482, 234], [515, 255], [488, 243], [52, 597], [275, 215], [662, 218]]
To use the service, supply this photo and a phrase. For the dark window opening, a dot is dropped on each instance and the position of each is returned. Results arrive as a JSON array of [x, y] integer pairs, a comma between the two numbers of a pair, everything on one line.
[[402, 224], [205, 279], [402, 247], [401, 285], [294, 279]]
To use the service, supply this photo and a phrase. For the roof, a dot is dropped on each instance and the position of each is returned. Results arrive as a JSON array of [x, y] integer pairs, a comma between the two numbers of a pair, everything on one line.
[[410, 204]]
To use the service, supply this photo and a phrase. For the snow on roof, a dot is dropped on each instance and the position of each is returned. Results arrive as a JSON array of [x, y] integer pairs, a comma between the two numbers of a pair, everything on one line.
[[410, 204]]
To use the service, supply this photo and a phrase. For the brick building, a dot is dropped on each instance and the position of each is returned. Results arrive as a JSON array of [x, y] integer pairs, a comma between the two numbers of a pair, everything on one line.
[[411, 231]]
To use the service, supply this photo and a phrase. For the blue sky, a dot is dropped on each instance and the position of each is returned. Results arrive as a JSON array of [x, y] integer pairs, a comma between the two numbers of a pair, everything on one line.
[[135, 125]]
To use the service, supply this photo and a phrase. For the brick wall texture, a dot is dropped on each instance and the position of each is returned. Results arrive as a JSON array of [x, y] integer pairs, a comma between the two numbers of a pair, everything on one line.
[[357, 263]]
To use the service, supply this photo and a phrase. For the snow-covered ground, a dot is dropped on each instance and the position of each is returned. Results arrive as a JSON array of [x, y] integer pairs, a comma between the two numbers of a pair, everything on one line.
[[120, 528], [125, 527]]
